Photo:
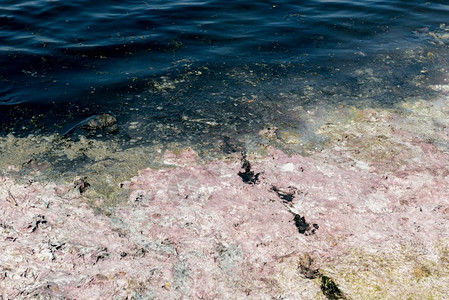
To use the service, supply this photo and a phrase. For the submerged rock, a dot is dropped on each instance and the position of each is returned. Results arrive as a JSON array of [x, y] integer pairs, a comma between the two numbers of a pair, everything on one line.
[[104, 123]]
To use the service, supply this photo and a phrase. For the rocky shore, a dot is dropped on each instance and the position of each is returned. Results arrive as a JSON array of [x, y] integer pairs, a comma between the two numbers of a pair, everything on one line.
[[364, 217]]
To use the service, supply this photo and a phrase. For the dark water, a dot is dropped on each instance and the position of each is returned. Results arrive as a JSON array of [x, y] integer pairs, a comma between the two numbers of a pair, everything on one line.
[[202, 70]]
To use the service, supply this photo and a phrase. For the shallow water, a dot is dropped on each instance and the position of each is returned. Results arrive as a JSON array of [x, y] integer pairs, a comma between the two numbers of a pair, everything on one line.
[[203, 72], [225, 77]]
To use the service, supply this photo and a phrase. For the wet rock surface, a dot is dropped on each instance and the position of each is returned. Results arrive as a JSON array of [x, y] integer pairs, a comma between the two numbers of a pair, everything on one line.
[[104, 123], [364, 217]]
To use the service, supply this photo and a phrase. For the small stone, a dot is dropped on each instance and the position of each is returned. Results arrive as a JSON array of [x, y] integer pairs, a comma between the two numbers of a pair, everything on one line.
[[106, 123]]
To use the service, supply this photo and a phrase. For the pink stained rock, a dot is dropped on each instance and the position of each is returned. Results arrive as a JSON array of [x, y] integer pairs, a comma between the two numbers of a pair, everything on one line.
[[364, 218]]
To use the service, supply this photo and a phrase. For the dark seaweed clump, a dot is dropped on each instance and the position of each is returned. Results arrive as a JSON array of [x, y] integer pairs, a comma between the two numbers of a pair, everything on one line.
[[304, 227], [306, 267], [330, 289], [287, 197], [248, 176]]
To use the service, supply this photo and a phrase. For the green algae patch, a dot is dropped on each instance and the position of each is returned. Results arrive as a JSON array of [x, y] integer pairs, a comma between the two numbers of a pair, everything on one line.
[[365, 138], [386, 139], [443, 251], [104, 164], [290, 277], [389, 275]]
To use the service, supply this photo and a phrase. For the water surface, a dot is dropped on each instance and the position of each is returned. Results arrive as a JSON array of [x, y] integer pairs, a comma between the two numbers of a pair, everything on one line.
[[203, 70]]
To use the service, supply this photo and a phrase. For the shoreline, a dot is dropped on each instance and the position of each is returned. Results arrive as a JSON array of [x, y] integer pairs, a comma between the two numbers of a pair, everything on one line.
[[363, 217]]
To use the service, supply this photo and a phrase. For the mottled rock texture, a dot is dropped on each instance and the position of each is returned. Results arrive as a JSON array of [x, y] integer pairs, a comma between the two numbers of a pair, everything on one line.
[[365, 218]]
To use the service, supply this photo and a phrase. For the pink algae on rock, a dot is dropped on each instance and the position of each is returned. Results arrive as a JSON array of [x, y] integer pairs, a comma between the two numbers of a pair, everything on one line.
[[366, 218]]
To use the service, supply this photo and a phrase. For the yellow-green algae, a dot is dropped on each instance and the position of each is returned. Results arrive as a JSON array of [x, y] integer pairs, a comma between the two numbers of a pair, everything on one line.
[[389, 275], [107, 163]]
